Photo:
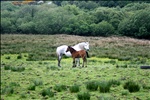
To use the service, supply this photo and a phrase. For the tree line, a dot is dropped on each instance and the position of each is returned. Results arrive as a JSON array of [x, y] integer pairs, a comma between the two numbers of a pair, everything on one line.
[[85, 18]]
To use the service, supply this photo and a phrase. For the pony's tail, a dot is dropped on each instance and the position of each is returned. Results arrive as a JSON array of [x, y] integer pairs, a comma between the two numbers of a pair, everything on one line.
[[87, 54]]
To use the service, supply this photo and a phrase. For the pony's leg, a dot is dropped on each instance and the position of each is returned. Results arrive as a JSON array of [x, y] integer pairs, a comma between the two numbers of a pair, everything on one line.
[[77, 61], [59, 59], [74, 63], [83, 62]]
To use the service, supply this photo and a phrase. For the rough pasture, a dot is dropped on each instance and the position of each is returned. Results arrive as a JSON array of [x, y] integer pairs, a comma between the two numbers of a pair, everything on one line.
[[29, 68]]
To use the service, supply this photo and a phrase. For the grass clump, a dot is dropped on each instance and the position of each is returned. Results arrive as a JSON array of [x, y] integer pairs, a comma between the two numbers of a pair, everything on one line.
[[8, 90], [17, 69], [74, 88], [47, 92], [32, 87], [104, 86], [38, 82], [60, 87], [114, 82], [105, 98], [83, 96], [19, 56], [7, 67], [92, 86], [131, 86]]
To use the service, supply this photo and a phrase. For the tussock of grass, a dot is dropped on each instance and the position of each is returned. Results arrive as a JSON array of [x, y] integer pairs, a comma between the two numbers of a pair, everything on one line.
[[59, 87], [92, 85], [74, 88], [131, 86], [47, 92], [83, 96]]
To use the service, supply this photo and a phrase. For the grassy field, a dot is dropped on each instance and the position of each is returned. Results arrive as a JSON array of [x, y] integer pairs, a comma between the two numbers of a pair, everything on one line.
[[29, 69]]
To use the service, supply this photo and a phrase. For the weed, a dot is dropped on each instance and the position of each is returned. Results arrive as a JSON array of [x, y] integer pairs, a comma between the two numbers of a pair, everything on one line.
[[60, 88], [47, 92], [131, 86], [104, 86], [83, 96], [92, 86], [74, 88]]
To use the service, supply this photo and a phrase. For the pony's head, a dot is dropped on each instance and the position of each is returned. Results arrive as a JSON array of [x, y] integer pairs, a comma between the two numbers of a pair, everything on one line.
[[86, 45]]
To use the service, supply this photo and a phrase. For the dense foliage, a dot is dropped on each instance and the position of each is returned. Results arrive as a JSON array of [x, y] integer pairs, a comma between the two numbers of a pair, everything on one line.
[[86, 18]]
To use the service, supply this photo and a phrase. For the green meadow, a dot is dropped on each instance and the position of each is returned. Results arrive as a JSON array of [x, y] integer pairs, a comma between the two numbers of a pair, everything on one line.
[[29, 69]]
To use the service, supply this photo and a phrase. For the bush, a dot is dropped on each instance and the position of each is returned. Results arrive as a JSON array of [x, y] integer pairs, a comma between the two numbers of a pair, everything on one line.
[[104, 86], [74, 88], [83, 96], [47, 92], [92, 86], [131, 86], [60, 88]]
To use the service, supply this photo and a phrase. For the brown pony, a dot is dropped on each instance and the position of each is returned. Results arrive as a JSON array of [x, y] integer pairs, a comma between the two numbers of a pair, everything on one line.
[[77, 54]]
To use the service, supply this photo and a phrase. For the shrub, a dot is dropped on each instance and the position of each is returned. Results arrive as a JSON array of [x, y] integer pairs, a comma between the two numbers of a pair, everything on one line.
[[92, 86], [131, 86], [83, 96], [60, 88], [74, 88], [104, 86], [47, 92]]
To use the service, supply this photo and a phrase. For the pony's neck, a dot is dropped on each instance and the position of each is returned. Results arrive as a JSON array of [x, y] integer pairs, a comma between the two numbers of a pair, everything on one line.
[[72, 50], [79, 46]]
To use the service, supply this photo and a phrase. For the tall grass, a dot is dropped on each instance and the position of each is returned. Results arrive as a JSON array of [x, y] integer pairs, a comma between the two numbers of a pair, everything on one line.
[[43, 47]]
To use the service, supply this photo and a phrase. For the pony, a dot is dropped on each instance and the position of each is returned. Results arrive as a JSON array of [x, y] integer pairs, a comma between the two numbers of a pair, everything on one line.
[[61, 50], [77, 54]]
